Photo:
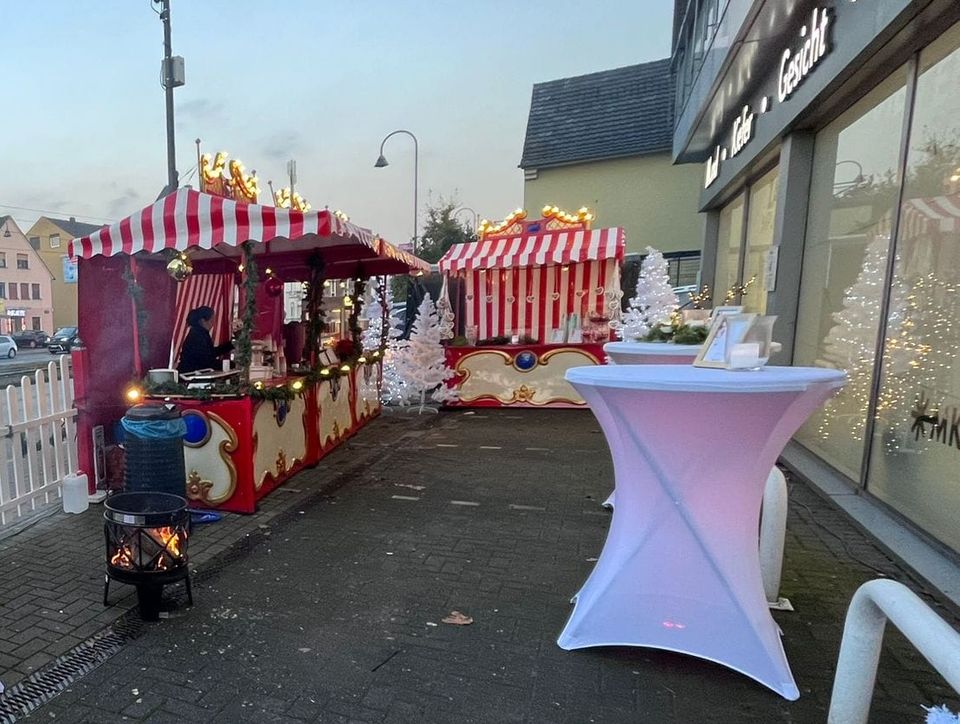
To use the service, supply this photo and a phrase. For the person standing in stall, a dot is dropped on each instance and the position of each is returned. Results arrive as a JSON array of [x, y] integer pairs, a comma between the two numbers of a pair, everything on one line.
[[198, 351]]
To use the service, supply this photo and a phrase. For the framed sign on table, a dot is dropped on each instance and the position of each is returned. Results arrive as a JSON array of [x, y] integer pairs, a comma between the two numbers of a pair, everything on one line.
[[727, 330], [716, 312]]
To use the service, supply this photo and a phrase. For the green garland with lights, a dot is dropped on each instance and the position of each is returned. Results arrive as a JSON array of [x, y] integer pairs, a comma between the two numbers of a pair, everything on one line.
[[296, 387], [316, 318], [353, 322], [139, 309], [245, 335]]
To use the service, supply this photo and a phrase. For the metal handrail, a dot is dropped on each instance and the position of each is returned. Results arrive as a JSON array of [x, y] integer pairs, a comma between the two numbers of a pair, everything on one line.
[[773, 531], [873, 604]]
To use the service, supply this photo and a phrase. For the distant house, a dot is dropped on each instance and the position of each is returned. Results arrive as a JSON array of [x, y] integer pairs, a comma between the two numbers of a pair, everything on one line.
[[50, 238], [25, 283], [604, 140]]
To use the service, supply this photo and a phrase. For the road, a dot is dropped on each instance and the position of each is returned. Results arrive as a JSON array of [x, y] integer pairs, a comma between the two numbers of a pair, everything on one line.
[[25, 363]]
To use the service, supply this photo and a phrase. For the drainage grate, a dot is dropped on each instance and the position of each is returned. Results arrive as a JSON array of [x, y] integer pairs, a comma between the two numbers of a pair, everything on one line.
[[41, 686]]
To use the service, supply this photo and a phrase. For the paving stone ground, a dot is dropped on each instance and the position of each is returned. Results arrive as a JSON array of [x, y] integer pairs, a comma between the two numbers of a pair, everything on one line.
[[333, 611]]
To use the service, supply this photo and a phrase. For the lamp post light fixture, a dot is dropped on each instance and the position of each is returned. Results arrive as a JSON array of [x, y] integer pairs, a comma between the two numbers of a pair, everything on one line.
[[841, 187], [472, 212], [382, 162]]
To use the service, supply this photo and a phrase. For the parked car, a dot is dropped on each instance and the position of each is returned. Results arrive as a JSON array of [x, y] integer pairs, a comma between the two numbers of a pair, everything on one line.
[[63, 340], [30, 338], [8, 348]]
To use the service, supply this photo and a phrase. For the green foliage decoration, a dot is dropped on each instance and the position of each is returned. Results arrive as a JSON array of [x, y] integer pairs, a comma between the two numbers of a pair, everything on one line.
[[140, 310], [244, 336]]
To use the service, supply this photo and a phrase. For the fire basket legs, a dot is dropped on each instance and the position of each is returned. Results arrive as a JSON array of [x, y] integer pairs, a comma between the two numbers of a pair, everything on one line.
[[140, 599]]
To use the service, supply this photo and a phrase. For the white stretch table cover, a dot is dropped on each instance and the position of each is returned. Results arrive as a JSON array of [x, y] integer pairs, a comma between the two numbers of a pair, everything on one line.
[[680, 569], [647, 353], [651, 353]]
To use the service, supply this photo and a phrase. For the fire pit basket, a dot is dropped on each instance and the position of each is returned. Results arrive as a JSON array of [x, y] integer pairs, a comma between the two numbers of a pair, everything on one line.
[[146, 538]]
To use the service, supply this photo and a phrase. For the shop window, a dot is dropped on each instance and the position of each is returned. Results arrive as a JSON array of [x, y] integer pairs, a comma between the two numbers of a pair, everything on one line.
[[761, 212], [34, 291], [35, 321], [729, 239], [685, 270], [915, 449], [853, 191], [23, 261]]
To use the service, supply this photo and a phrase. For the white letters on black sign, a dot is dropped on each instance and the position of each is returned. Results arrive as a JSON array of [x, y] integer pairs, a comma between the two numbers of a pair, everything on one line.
[[796, 65]]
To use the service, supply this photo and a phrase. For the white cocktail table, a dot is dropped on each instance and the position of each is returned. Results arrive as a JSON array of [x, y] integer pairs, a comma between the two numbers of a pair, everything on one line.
[[680, 568], [648, 353], [651, 353]]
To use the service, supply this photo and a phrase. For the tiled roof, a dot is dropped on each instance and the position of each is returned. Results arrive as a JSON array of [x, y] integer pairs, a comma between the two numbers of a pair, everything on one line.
[[621, 112], [74, 228]]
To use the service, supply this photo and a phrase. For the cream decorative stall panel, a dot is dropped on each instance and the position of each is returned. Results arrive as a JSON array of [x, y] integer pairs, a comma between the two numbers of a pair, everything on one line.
[[211, 473], [367, 400], [525, 378], [280, 438], [334, 410]]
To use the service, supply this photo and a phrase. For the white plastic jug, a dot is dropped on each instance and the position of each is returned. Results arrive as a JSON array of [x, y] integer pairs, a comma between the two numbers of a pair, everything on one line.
[[75, 493]]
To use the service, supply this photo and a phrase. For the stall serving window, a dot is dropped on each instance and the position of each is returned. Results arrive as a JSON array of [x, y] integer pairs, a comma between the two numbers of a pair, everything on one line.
[[891, 323], [742, 248]]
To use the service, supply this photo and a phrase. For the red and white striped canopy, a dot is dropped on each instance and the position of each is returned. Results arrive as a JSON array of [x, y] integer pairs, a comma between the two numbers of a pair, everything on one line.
[[547, 249], [189, 219], [935, 213]]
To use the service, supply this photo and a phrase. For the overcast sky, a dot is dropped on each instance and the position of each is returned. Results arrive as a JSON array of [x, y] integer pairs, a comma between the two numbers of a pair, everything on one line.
[[82, 123]]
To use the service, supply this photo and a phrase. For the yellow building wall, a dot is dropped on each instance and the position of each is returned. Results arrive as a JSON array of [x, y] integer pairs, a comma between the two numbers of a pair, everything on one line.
[[64, 295], [653, 200]]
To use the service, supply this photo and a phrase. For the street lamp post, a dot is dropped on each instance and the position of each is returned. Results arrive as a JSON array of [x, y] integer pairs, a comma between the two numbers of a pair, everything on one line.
[[382, 161], [474, 214]]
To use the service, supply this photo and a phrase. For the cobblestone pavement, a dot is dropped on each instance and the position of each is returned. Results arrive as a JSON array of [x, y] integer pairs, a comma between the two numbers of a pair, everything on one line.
[[333, 611]]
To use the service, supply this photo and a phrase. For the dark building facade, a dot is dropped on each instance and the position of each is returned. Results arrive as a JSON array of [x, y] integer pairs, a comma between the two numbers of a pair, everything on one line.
[[829, 137]]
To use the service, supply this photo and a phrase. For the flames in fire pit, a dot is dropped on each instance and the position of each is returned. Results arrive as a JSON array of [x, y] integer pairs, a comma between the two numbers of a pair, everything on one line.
[[159, 548], [146, 536]]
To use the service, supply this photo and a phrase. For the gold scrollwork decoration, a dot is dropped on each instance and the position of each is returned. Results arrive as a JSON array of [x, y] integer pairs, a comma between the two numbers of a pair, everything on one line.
[[199, 488]]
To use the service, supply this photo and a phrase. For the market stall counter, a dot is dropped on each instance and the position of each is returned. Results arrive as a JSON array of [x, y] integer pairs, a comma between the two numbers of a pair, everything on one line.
[[239, 448], [292, 389], [537, 300]]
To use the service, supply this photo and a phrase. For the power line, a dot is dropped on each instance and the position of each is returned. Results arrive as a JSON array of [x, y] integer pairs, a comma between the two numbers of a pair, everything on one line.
[[55, 213]]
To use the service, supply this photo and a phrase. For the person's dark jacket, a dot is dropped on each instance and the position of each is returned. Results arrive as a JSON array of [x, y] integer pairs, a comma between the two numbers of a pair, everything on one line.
[[198, 351]]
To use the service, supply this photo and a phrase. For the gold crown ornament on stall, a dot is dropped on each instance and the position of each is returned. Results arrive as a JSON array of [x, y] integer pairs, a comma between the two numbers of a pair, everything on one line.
[[230, 180], [553, 219], [180, 267]]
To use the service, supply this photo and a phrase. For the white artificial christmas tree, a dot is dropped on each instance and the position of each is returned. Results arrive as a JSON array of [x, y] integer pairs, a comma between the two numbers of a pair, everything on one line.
[[394, 390], [445, 312], [654, 301], [421, 364]]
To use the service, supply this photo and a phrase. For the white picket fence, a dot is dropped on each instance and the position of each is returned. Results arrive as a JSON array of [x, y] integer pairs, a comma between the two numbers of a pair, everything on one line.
[[39, 441]]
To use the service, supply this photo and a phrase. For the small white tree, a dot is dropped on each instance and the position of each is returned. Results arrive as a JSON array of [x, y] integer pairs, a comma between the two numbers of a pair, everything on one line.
[[394, 390], [654, 300], [421, 364], [445, 312]]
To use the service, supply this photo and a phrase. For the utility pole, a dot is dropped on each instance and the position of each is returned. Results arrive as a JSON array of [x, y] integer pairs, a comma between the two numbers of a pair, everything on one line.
[[292, 171], [172, 78]]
